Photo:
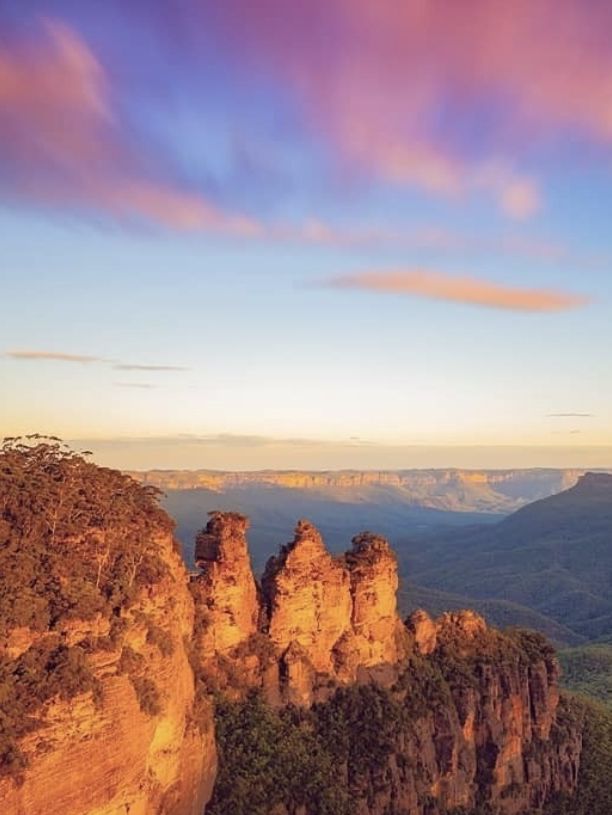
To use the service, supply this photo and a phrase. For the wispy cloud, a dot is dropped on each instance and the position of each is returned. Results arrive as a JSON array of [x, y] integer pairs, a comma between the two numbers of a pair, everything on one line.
[[229, 441], [437, 285], [570, 415], [85, 359], [124, 366], [53, 356], [62, 142], [395, 87], [145, 386]]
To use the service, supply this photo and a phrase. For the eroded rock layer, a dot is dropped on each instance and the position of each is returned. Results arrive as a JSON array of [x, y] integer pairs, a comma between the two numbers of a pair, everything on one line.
[[323, 620], [475, 718], [227, 593], [474, 714], [134, 745]]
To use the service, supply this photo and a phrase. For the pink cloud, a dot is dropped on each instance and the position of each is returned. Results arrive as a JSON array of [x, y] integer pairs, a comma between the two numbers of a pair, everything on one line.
[[396, 87], [62, 143], [53, 99], [520, 198], [437, 285], [53, 356]]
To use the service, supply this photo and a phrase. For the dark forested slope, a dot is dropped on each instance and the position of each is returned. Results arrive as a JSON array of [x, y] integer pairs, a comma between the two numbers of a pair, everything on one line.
[[553, 556]]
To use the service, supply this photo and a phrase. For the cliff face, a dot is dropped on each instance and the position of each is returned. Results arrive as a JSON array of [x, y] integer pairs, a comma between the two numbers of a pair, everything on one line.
[[323, 620], [380, 636], [498, 491], [495, 739], [473, 713], [108, 654], [471, 724], [132, 746]]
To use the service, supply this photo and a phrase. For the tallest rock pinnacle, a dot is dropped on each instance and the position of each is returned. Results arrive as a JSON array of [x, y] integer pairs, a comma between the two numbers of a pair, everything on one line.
[[226, 583]]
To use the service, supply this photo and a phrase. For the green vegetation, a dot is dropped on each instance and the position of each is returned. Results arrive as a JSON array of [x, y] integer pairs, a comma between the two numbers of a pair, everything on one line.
[[44, 671], [588, 670], [270, 757], [76, 540], [340, 751], [158, 636], [148, 695], [594, 794], [552, 557], [499, 613], [134, 665]]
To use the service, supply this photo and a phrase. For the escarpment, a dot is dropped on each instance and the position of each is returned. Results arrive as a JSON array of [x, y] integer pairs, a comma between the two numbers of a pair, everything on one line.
[[471, 724], [98, 707], [131, 743], [425, 717], [110, 656]]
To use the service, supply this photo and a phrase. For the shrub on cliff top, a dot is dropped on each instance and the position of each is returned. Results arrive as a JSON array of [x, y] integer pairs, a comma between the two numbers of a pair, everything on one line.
[[75, 539]]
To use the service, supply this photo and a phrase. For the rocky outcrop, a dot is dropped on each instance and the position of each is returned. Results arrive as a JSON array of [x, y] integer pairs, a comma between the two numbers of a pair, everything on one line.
[[323, 620], [308, 598], [489, 736], [379, 636], [119, 751], [476, 711], [226, 589], [473, 713], [424, 631]]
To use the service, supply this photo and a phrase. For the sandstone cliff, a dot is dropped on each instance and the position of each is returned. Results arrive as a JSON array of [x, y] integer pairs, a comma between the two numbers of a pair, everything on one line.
[[109, 653], [497, 491], [499, 739], [318, 621], [472, 724], [99, 710], [465, 717], [103, 754], [226, 589]]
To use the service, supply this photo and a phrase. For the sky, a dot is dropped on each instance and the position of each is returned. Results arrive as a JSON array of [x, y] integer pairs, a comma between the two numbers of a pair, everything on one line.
[[342, 233]]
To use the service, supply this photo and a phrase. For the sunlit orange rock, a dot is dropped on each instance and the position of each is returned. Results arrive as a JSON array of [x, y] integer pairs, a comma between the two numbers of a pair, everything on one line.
[[107, 756], [226, 585], [308, 596], [423, 628], [380, 635]]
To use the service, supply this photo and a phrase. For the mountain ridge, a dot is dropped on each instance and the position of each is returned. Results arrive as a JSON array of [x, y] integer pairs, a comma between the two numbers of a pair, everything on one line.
[[450, 489], [553, 556]]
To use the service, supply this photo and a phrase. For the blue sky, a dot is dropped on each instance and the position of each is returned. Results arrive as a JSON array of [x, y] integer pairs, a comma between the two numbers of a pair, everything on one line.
[[307, 242]]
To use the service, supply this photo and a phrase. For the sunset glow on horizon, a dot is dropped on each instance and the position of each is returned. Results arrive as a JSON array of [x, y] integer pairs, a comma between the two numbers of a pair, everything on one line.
[[349, 233]]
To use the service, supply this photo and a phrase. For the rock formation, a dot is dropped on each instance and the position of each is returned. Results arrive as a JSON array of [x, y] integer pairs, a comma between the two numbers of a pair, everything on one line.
[[481, 707], [498, 491], [379, 634], [323, 620], [129, 726], [308, 598], [103, 754], [227, 591], [488, 737]]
